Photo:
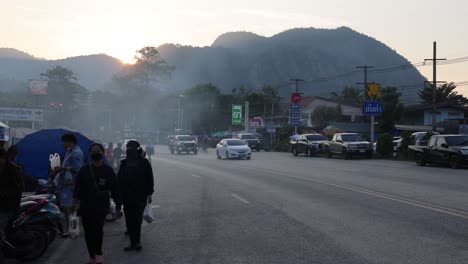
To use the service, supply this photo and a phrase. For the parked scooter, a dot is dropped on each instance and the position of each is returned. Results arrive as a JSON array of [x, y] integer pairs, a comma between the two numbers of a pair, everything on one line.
[[22, 240], [49, 217]]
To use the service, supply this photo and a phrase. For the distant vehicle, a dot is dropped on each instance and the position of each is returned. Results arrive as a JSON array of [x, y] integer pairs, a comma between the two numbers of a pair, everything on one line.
[[418, 138], [183, 143], [233, 148], [349, 144], [251, 139], [396, 144], [310, 144], [444, 149]]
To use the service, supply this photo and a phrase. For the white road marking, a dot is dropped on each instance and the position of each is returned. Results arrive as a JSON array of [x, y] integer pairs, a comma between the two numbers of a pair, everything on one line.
[[240, 198], [420, 204], [352, 170], [155, 206], [196, 176]]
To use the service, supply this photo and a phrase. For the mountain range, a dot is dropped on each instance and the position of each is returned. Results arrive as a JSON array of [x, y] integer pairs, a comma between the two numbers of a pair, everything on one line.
[[238, 59]]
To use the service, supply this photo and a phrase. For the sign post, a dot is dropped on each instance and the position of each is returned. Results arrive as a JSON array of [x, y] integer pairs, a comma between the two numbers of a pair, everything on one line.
[[38, 88], [236, 115], [373, 107], [295, 117], [295, 114]]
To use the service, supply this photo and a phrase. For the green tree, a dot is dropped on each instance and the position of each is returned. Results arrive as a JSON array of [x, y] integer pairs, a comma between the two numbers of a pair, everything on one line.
[[63, 87], [60, 74], [393, 109], [385, 145], [349, 95], [148, 69], [324, 114], [444, 94]]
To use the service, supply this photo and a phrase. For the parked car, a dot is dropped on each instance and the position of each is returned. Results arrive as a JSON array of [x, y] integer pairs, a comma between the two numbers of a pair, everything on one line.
[[183, 143], [310, 144], [444, 149], [251, 139], [418, 138], [348, 145], [396, 144], [233, 148]]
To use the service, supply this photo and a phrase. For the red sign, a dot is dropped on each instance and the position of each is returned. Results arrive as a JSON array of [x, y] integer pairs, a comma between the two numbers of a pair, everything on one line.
[[296, 98]]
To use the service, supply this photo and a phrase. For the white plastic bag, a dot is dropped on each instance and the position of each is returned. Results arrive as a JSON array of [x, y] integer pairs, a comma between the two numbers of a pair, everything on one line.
[[148, 214], [74, 225], [54, 160]]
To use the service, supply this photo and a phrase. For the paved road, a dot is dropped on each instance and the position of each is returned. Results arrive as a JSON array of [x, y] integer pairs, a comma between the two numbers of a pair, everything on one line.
[[277, 208]]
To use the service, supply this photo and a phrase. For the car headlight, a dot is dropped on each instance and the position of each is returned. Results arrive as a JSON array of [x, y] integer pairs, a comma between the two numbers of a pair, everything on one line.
[[351, 146], [464, 151]]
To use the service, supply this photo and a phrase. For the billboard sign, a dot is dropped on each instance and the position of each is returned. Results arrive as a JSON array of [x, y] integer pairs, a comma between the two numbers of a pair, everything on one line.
[[21, 114], [37, 87], [256, 122]]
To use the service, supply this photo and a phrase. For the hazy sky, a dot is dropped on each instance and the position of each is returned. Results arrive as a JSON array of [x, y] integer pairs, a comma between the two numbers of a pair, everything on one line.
[[60, 28]]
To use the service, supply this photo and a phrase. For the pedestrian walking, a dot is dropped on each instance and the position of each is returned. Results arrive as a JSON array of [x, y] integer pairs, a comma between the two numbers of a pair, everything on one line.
[[150, 151], [136, 182], [110, 154], [95, 184], [72, 163], [118, 153]]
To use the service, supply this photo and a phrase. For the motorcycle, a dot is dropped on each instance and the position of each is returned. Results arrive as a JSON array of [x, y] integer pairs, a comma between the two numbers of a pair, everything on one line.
[[21, 239], [49, 217]]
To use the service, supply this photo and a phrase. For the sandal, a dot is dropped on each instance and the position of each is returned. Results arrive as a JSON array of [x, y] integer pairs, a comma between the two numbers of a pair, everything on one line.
[[99, 260]]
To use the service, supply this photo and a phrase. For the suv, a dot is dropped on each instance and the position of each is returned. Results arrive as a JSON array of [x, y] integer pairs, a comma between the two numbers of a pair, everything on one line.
[[444, 149], [310, 144], [349, 144], [251, 140], [183, 143]]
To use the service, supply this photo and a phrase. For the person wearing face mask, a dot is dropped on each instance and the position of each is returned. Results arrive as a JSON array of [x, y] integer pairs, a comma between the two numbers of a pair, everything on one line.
[[95, 184], [136, 182], [72, 163]]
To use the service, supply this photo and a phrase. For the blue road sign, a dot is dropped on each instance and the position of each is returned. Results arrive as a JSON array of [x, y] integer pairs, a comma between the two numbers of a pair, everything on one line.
[[295, 115], [372, 108]]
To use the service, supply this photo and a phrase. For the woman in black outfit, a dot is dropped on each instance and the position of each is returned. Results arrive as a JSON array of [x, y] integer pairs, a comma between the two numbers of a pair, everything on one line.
[[95, 184], [136, 186]]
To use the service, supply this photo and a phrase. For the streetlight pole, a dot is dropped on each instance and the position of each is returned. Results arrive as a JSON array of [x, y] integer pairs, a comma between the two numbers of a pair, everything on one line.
[[180, 111]]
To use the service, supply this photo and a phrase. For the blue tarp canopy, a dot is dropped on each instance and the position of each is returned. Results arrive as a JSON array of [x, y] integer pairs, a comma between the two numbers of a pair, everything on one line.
[[35, 148]]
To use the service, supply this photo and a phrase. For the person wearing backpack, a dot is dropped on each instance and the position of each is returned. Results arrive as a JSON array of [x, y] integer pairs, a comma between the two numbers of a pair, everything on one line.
[[136, 182], [95, 184]]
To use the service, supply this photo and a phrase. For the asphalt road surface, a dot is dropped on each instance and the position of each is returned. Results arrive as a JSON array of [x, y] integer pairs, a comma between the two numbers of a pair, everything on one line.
[[277, 208]]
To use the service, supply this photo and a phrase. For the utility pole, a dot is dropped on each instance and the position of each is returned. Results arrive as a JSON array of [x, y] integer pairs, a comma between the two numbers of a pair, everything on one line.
[[434, 86], [296, 90], [365, 83]]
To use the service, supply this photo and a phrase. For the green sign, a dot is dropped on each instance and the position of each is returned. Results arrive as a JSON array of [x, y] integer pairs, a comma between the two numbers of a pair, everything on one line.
[[237, 114]]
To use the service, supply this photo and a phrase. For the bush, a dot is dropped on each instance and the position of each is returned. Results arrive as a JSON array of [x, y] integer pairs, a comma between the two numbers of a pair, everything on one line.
[[385, 145], [407, 140], [329, 133], [281, 146]]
